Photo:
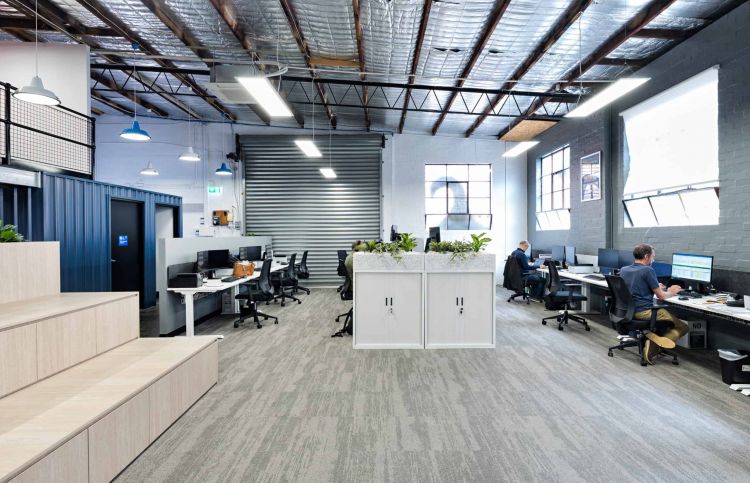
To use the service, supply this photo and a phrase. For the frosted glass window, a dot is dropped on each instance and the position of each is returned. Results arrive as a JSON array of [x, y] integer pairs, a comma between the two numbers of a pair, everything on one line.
[[640, 212]]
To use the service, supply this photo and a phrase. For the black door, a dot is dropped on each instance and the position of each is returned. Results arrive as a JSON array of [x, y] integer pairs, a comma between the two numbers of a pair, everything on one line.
[[127, 247]]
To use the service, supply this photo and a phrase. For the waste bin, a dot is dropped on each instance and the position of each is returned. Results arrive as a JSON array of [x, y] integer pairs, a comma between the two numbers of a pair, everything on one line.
[[735, 366]]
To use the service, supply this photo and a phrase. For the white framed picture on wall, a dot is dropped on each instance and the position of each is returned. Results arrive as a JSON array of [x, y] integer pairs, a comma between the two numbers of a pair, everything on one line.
[[591, 177]]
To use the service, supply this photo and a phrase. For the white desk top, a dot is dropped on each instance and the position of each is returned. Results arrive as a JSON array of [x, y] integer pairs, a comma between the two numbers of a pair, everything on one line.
[[703, 304], [205, 288]]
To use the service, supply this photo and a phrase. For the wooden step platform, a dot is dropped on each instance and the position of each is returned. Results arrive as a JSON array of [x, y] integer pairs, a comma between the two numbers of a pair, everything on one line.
[[90, 421]]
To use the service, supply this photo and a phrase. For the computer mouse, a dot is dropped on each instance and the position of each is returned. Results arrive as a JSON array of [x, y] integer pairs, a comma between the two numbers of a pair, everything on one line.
[[683, 298]]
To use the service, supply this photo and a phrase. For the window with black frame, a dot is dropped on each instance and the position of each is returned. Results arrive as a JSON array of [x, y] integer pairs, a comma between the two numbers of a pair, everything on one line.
[[553, 190], [458, 196]]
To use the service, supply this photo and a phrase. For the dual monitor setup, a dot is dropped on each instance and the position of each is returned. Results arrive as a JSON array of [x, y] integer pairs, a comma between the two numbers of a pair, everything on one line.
[[217, 259], [692, 269]]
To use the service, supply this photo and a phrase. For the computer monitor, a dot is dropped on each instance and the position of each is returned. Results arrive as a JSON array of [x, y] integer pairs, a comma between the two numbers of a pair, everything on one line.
[[211, 259], [692, 268], [528, 251], [663, 270], [251, 253], [608, 260], [435, 233], [570, 255], [558, 253], [625, 258]]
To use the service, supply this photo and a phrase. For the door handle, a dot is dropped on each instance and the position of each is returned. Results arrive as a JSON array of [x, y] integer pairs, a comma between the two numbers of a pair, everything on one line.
[[391, 301], [462, 301], [386, 301], [456, 301]]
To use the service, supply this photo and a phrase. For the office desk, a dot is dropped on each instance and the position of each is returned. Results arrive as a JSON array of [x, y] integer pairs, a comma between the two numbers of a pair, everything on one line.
[[702, 305], [189, 293]]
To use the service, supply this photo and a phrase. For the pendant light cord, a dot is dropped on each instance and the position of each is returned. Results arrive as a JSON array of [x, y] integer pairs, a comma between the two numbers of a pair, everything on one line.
[[36, 39], [312, 89], [135, 73]]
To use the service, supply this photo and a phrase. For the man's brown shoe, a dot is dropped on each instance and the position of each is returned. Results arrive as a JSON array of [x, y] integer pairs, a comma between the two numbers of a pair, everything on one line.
[[662, 342]]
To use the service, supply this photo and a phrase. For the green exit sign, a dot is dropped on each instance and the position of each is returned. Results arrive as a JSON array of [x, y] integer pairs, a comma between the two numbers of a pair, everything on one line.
[[214, 190]]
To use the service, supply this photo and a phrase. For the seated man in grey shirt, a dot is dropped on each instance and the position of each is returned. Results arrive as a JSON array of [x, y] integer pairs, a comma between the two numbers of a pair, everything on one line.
[[641, 280]]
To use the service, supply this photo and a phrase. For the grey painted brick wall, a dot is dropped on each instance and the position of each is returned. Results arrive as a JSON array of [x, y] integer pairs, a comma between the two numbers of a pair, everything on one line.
[[727, 43]]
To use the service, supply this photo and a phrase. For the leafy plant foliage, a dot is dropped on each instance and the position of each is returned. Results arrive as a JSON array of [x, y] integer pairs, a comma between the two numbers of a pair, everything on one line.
[[8, 234]]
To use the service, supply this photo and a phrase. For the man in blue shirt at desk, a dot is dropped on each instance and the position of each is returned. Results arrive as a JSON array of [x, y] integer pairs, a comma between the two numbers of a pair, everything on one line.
[[531, 277], [640, 278]]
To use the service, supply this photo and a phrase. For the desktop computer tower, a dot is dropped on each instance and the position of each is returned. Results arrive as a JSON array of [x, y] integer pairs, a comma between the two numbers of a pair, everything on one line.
[[696, 338]]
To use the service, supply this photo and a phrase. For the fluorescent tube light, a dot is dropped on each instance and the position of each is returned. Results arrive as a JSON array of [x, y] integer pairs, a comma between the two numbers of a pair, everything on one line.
[[308, 147], [608, 95], [520, 148], [266, 96], [328, 172]]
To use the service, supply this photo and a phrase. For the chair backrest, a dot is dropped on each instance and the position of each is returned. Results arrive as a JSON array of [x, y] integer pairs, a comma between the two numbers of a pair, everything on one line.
[[302, 270], [512, 277], [341, 269], [553, 281], [264, 281], [622, 308], [347, 289], [290, 267]]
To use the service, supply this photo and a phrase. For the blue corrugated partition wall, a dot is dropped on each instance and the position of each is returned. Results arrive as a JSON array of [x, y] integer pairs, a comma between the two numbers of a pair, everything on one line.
[[76, 212]]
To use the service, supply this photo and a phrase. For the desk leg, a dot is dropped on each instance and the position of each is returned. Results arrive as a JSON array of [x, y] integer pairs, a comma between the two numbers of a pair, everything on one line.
[[233, 292], [586, 292], [189, 317]]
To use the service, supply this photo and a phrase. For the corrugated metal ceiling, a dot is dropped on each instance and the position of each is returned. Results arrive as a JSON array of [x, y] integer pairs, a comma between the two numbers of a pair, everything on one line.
[[390, 30]]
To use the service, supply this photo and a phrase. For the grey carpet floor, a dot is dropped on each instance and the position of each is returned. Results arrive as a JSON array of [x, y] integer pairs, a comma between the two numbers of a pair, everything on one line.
[[293, 404]]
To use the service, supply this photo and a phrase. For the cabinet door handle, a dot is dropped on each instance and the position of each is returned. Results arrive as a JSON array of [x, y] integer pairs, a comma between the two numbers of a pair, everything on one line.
[[391, 301], [456, 301], [386, 301], [462, 301]]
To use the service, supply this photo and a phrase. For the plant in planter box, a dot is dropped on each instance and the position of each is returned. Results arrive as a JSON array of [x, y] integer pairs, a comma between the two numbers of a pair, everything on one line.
[[8, 234], [406, 243], [461, 249], [479, 242]]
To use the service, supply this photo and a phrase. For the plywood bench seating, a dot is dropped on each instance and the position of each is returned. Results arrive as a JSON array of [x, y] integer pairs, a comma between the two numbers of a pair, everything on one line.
[[44, 335], [90, 421]]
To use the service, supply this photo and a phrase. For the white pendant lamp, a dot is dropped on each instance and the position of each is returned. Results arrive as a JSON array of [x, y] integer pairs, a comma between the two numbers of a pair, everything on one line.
[[190, 154], [135, 132], [149, 170], [35, 93]]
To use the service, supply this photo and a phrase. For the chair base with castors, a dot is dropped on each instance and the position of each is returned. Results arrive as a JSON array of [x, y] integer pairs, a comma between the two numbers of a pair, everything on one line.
[[524, 296], [346, 329], [639, 342], [562, 320], [304, 289], [255, 314]]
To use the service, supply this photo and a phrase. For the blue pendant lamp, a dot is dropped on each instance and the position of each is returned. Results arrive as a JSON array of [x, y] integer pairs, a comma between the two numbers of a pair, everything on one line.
[[223, 170], [135, 132]]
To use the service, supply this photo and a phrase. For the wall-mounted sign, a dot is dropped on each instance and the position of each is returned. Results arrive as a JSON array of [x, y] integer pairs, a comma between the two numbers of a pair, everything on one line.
[[214, 190], [591, 177], [122, 240]]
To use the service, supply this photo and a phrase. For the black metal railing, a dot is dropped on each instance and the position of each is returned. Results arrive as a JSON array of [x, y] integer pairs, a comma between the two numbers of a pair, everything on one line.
[[55, 139]]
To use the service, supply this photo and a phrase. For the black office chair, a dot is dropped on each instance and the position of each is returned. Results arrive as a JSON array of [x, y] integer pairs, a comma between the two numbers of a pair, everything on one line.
[[286, 283], [513, 279], [562, 296], [302, 272], [346, 293], [259, 290], [341, 269], [621, 313]]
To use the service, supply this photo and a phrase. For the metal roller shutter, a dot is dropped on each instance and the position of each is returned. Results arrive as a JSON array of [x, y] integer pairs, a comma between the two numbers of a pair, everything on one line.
[[287, 198]]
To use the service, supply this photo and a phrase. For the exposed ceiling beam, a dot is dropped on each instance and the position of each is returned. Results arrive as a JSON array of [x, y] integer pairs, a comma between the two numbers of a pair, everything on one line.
[[328, 62], [228, 12], [96, 112], [29, 24], [112, 104], [111, 84], [634, 25], [497, 13], [182, 32], [103, 14], [635, 63], [361, 55], [294, 26], [22, 35], [60, 21], [571, 14], [667, 34], [415, 59]]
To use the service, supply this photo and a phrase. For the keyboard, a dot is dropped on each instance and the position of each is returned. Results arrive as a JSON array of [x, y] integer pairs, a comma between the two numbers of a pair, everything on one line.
[[229, 279], [692, 295], [594, 276]]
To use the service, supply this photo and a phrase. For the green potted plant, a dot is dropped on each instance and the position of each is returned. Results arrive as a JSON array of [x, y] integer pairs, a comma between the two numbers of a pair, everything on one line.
[[461, 254], [8, 234], [389, 255]]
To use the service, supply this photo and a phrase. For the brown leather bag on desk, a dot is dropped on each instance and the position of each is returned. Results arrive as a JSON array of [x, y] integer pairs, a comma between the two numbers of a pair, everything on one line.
[[243, 269]]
